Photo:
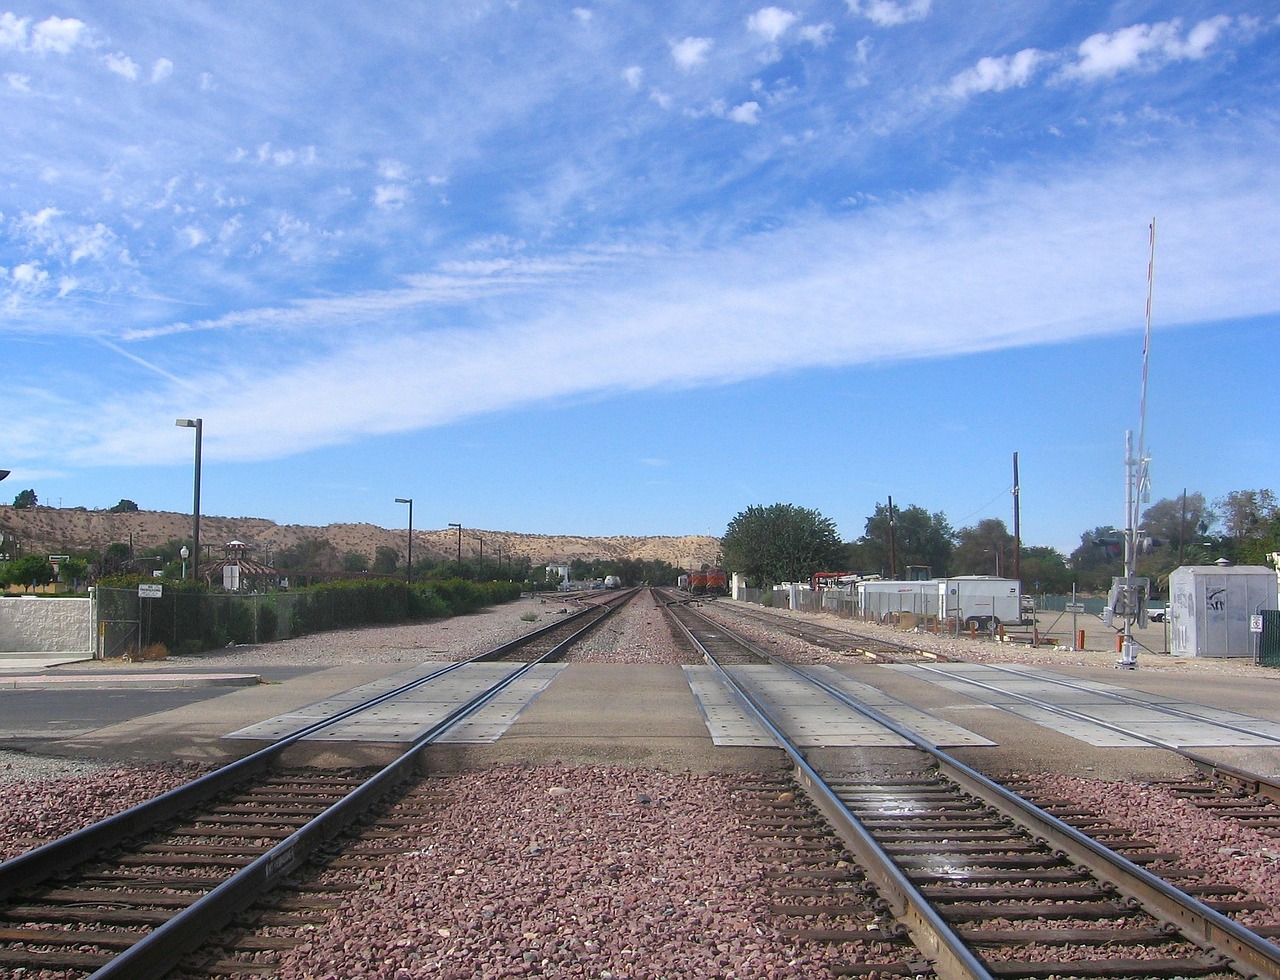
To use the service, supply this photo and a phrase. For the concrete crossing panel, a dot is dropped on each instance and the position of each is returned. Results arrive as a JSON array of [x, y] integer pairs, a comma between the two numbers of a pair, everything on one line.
[[1097, 712], [408, 716], [813, 718]]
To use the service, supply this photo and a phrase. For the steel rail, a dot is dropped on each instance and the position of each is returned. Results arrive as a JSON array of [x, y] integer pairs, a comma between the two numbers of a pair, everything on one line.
[[153, 956], [815, 633], [1198, 922], [951, 957], [1259, 784], [45, 861]]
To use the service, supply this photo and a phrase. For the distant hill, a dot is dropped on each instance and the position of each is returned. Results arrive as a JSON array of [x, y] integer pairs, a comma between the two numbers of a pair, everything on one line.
[[52, 530]]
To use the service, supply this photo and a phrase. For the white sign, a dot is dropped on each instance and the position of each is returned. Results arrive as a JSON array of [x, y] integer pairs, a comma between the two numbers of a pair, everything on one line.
[[1255, 624], [1075, 607], [147, 590]]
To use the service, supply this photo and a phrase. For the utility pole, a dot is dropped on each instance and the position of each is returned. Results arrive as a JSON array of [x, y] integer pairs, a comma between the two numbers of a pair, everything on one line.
[[893, 555], [1017, 524]]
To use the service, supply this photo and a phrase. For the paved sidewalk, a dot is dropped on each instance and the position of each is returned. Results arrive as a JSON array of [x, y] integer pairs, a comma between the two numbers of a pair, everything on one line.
[[39, 660]]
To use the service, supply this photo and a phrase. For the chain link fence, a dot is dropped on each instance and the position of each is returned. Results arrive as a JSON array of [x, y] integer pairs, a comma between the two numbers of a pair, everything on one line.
[[184, 623]]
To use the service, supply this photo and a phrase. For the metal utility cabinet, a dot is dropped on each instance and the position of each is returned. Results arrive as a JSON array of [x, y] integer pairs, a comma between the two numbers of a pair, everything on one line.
[[1210, 606]]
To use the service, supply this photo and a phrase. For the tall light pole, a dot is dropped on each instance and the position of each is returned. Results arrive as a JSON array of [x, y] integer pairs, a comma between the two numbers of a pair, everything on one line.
[[198, 425], [459, 527], [409, 571], [480, 538]]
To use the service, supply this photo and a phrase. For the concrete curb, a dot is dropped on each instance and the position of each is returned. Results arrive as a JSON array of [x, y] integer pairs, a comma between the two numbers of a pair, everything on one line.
[[98, 682]]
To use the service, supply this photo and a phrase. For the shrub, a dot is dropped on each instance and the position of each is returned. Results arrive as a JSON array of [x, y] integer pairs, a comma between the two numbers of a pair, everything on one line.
[[156, 651]]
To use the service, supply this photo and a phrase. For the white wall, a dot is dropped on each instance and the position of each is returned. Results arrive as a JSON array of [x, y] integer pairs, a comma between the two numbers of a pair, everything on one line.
[[36, 625]]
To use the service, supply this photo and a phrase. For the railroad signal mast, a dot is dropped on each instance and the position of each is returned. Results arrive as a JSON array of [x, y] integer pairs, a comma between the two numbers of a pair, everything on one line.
[[1129, 595]]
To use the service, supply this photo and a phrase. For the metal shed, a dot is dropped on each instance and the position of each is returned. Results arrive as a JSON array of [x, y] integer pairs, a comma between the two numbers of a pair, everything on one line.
[[1210, 606]]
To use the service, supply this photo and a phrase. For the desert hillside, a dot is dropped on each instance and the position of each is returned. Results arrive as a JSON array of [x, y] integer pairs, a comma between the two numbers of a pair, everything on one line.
[[50, 530]]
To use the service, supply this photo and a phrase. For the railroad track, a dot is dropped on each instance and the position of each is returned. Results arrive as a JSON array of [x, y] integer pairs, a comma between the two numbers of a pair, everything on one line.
[[865, 645], [132, 896], [986, 883]]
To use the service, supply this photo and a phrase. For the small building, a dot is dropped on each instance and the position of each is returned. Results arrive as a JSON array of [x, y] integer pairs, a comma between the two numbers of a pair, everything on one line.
[[558, 573], [1210, 607], [237, 572]]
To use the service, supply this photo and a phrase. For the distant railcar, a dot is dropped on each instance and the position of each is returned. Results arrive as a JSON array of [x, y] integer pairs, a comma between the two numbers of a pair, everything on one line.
[[612, 582], [711, 581]]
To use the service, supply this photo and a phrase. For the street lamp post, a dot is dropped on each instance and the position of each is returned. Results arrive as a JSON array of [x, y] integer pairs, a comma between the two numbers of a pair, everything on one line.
[[459, 527], [198, 425], [183, 552], [409, 570]]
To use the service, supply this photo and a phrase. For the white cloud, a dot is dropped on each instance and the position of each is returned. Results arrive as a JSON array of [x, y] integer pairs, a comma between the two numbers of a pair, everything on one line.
[[40, 224], [1143, 46], [90, 243], [13, 30], [770, 23], [390, 197], [392, 170], [633, 76], [691, 52], [18, 83], [582, 14], [819, 35], [996, 74], [161, 70], [747, 112], [29, 274], [122, 65], [890, 13], [1056, 258], [57, 34], [193, 236]]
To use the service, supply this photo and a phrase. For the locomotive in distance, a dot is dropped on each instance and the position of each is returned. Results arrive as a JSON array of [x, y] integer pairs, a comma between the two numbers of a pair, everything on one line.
[[709, 581]]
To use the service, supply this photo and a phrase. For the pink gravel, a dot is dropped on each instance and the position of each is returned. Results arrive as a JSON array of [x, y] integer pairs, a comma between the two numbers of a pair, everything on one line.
[[40, 810], [597, 872], [1223, 849]]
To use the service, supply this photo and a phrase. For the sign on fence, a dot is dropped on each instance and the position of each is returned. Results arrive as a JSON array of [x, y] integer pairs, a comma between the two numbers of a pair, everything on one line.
[[149, 590]]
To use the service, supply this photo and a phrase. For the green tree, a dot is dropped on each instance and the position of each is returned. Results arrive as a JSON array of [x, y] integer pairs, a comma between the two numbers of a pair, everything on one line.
[[984, 549], [781, 543], [1246, 513], [72, 570], [124, 507], [385, 560], [355, 562], [1175, 522], [29, 570], [1044, 570], [919, 538], [310, 556], [1099, 558], [24, 500]]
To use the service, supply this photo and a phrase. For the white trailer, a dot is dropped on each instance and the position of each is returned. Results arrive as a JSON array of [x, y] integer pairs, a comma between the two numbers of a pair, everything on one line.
[[880, 598], [984, 601]]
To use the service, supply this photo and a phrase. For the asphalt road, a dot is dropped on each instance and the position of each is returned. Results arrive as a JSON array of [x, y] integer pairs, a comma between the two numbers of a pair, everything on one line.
[[32, 715]]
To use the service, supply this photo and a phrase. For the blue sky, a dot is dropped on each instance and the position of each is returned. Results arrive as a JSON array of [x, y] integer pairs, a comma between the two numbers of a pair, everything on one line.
[[630, 268]]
